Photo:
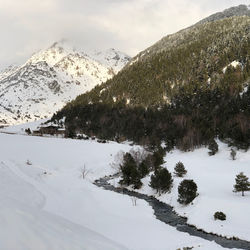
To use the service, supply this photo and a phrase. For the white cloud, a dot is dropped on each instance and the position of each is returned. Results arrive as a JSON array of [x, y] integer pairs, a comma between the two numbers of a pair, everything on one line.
[[128, 25], [141, 23]]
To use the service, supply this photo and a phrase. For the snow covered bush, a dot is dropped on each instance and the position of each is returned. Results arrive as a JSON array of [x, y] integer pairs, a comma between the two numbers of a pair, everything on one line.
[[219, 216], [180, 170], [187, 191], [161, 180]]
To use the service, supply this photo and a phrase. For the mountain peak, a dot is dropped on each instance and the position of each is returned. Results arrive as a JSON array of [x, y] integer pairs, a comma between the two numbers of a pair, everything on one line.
[[55, 53], [51, 78], [62, 45]]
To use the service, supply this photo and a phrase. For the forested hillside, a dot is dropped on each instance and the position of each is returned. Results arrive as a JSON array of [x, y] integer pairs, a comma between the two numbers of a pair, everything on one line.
[[186, 89]]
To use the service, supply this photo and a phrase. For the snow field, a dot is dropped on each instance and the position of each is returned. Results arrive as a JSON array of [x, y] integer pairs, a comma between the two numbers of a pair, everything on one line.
[[46, 204]]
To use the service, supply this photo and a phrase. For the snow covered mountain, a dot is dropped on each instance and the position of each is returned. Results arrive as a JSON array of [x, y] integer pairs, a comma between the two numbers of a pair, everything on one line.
[[51, 78]]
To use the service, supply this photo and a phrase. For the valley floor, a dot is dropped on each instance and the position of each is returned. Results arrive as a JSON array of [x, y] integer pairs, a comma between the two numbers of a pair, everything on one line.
[[46, 204]]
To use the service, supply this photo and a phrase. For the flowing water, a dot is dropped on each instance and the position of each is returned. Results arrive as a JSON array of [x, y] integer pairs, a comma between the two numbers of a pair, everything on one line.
[[166, 214]]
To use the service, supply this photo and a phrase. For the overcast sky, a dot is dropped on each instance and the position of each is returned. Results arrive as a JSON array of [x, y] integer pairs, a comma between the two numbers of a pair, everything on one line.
[[127, 25]]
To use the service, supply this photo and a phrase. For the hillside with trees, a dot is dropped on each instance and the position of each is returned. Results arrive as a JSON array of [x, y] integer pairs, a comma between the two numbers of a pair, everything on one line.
[[187, 89]]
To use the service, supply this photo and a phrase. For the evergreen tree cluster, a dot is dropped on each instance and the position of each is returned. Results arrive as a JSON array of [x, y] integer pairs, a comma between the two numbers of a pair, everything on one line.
[[134, 169], [162, 182], [161, 179], [130, 172], [187, 123]]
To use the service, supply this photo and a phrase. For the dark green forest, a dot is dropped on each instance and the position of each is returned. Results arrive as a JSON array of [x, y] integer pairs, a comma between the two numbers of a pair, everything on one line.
[[187, 123]]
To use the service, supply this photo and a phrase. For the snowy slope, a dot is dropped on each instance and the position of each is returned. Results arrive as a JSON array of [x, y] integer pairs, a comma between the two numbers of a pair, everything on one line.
[[9, 70], [27, 228], [24, 225], [111, 58], [46, 204], [51, 78]]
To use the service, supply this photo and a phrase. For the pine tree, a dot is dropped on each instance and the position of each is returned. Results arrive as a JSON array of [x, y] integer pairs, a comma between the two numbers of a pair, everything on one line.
[[242, 183], [213, 147], [233, 154], [143, 169], [130, 173], [187, 191], [161, 180], [158, 157], [180, 170]]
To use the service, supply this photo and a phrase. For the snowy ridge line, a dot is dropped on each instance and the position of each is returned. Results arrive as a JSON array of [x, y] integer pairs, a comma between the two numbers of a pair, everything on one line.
[[166, 214], [51, 78]]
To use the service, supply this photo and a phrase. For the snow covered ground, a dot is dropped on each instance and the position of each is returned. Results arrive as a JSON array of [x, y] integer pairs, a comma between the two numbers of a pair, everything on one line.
[[46, 204], [215, 177], [20, 128]]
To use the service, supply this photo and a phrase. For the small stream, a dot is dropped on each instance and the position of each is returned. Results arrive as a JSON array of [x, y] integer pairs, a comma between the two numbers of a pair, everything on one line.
[[166, 214]]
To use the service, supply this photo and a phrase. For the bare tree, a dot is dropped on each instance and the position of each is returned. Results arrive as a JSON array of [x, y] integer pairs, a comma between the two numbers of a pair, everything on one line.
[[118, 161], [85, 171], [134, 200], [139, 154]]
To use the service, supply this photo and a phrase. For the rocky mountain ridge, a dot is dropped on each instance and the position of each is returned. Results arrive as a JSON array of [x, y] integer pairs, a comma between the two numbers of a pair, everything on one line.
[[51, 78]]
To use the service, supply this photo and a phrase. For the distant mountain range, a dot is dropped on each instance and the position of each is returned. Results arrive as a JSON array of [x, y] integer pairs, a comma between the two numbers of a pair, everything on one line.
[[51, 78]]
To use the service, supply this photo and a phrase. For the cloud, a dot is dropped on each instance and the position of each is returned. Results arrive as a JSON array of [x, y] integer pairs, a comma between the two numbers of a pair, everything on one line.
[[141, 23], [128, 25]]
